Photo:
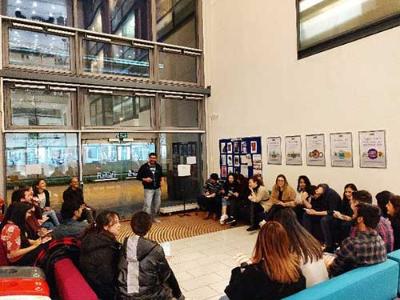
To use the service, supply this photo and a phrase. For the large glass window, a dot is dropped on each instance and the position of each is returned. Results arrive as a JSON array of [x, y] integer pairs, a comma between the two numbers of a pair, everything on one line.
[[116, 110], [36, 49], [324, 20], [179, 113], [41, 107], [30, 156], [128, 18], [177, 67], [176, 22], [107, 58], [57, 12]]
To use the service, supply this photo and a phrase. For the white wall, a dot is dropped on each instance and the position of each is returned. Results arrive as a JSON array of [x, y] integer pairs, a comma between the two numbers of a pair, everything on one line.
[[260, 88]]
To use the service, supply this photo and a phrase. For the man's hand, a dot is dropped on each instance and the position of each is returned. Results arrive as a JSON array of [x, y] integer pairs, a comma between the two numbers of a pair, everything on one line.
[[147, 179]]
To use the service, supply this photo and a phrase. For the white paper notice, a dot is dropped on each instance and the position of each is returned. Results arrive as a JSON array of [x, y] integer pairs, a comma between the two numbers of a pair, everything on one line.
[[191, 160], [183, 170], [33, 169]]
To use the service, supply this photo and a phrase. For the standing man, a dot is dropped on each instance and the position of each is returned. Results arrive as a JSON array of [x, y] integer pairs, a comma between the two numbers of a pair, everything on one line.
[[150, 174]]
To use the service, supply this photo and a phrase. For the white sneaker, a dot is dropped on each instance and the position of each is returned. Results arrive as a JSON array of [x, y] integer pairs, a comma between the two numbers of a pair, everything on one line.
[[223, 219], [262, 223]]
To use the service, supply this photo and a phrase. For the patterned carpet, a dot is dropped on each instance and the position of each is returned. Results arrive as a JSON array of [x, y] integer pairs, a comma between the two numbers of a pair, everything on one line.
[[175, 227]]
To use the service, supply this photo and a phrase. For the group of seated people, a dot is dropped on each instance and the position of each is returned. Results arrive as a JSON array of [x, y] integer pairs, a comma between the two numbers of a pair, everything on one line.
[[137, 269], [306, 236]]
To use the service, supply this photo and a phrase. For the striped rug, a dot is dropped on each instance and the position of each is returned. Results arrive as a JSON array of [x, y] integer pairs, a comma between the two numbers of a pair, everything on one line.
[[175, 227]]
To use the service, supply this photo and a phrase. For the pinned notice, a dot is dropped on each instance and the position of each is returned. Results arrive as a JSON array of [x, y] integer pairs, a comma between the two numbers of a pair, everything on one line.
[[183, 170], [191, 160]]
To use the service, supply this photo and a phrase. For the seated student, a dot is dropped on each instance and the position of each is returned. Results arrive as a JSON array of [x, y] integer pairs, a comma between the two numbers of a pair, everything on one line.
[[325, 201], [244, 192], [71, 212], [99, 255], [274, 272], [303, 196], [43, 199], [144, 272], [344, 215], [282, 193], [211, 197], [393, 211], [364, 249], [21, 250], [384, 227], [382, 199], [230, 198], [259, 201], [75, 193], [303, 244]]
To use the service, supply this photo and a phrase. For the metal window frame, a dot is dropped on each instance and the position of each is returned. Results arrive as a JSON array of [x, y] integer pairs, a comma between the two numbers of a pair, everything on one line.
[[345, 38]]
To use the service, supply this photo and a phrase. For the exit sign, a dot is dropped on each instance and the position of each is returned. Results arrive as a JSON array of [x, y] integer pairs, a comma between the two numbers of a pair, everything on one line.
[[122, 135]]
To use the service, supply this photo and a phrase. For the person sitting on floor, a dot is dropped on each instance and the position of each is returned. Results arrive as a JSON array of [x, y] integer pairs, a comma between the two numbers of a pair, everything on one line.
[[366, 248], [230, 198], [382, 199], [259, 201], [71, 212], [99, 255], [43, 199], [210, 200], [303, 244], [393, 211], [75, 193], [282, 193], [21, 250], [384, 227], [274, 272], [144, 272]]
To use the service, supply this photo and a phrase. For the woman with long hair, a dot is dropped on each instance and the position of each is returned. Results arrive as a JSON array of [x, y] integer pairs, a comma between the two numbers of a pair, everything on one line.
[[303, 244], [100, 253], [42, 197], [282, 193], [393, 211], [230, 199], [274, 272], [20, 249], [258, 201]]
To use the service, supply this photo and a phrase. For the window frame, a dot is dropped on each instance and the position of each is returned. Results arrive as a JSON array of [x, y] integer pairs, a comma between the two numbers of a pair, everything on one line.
[[86, 91], [345, 38], [8, 86]]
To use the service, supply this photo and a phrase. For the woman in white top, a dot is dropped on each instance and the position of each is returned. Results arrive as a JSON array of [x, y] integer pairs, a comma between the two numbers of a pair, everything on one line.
[[42, 198], [258, 197], [303, 244]]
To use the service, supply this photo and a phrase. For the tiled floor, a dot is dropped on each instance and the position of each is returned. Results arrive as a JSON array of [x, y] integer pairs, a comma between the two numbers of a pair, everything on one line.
[[203, 264]]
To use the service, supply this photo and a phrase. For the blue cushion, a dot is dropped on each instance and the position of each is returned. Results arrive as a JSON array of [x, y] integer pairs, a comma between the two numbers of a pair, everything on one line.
[[395, 255], [377, 282]]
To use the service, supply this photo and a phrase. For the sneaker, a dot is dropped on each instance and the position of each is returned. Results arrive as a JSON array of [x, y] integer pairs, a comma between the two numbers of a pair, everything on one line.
[[223, 219], [262, 223], [155, 220], [233, 224], [230, 220], [253, 228]]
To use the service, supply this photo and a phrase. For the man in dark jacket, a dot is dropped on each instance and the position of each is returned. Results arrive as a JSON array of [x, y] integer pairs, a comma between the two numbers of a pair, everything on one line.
[[325, 201], [75, 193], [144, 272], [150, 175]]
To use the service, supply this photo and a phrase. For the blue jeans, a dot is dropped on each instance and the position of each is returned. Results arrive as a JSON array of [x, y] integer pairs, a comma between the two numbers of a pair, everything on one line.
[[52, 217], [152, 201]]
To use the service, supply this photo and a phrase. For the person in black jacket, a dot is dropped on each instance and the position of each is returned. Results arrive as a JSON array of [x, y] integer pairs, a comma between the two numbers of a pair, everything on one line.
[[274, 271], [43, 198], [150, 175], [74, 193], [100, 254], [143, 262], [324, 203], [393, 211], [230, 199]]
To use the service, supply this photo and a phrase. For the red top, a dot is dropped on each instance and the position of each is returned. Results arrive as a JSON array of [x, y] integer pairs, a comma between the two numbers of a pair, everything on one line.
[[11, 238]]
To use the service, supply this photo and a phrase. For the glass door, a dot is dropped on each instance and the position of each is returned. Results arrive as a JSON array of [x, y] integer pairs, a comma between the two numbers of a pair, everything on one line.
[[110, 162]]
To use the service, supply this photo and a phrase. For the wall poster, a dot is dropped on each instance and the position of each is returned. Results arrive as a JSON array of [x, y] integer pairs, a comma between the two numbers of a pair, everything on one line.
[[274, 150], [341, 149], [315, 149], [372, 149], [293, 150]]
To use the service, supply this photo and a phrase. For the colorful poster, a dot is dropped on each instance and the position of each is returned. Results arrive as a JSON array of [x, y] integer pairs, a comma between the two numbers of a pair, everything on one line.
[[293, 150], [341, 149], [223, 147], [223, 160], [253, 147], [236, 161], [244, 147], [257, 163], [229, 147], [224, 171], [315, 149], [236, 147], [372, 149], [230, 161], [274, 151]]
